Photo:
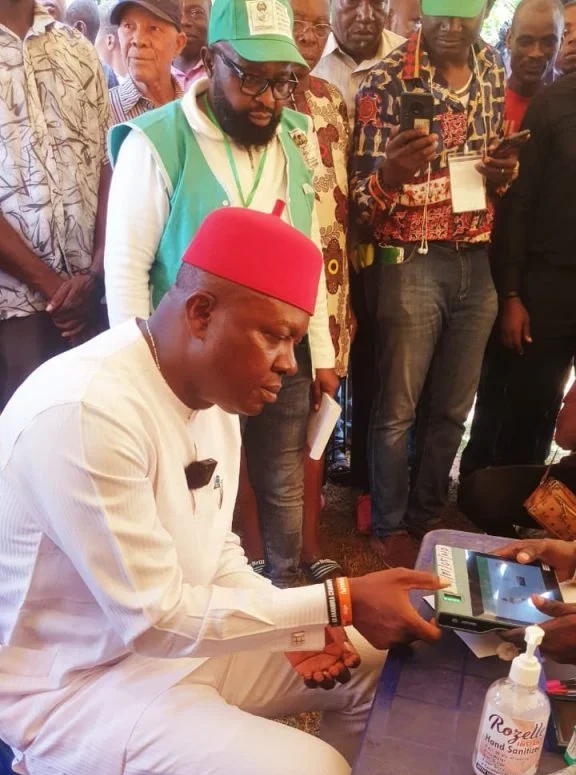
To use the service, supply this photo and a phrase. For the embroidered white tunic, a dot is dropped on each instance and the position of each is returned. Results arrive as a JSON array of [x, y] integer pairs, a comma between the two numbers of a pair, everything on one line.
[[112, 570]]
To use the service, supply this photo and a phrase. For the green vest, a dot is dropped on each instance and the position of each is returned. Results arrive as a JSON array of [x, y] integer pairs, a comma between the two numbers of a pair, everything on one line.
[[194, 190]]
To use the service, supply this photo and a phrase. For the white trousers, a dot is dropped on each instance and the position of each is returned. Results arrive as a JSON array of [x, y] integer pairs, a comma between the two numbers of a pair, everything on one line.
[[217, 720]]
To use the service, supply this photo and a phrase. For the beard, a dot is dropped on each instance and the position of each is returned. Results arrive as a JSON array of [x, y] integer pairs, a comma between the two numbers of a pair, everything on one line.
[[237, 125]]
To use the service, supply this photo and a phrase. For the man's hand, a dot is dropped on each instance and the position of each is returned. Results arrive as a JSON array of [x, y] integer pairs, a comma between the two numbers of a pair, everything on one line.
[[560, 555], [407, 153], [515, 325], [324, 668], [499, 172], [326, 382], [73, 305], [382, 611], [559, 641]]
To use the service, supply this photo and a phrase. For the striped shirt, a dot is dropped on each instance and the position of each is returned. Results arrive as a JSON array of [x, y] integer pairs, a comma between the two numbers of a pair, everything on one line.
[[127, 102], [338, 67]]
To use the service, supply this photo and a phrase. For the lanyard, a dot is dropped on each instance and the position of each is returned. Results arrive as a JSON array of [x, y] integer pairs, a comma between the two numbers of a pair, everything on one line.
[[246, 201]]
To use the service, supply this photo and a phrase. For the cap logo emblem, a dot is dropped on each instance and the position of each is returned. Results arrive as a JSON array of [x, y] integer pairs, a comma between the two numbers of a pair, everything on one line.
[[268, 17]]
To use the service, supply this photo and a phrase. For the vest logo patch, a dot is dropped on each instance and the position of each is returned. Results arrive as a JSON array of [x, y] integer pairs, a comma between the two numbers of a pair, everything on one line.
[[268, 17], [307, 149]]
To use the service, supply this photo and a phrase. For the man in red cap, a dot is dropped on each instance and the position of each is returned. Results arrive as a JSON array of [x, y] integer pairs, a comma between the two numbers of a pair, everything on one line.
[[124, 590]]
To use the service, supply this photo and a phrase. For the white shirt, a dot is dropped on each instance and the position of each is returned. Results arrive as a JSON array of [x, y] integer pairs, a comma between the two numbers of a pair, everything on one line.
[[136, 222], [338, 67], [107, 557]]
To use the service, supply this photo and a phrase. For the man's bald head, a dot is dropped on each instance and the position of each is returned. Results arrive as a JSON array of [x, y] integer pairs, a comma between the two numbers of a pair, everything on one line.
[[552, 7], [534, 41]]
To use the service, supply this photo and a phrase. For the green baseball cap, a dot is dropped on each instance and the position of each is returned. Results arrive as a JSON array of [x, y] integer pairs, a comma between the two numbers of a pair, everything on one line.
[[258, 30], [465, 9]]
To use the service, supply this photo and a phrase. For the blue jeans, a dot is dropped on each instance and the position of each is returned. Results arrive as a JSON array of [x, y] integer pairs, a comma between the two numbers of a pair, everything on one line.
[[433, 314], [274, 444]]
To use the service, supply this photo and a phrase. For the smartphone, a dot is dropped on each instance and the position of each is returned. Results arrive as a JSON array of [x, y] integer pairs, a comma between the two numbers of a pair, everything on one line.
[[416, 111], [510, 143]]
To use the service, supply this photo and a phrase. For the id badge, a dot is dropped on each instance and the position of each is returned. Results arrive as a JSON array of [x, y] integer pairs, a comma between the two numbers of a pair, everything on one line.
[[467, 185]]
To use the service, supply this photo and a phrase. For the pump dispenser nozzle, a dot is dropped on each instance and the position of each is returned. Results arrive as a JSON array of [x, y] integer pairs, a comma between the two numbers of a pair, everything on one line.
[[526, 668]]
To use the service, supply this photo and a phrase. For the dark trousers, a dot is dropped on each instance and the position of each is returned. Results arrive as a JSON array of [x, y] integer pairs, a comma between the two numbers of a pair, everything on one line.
[[493, 498], [362, 373], [25, 343], [520, 395]]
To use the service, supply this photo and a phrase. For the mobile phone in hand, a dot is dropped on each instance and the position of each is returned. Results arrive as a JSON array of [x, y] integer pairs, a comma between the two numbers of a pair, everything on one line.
[[510, 143], [416, 111]]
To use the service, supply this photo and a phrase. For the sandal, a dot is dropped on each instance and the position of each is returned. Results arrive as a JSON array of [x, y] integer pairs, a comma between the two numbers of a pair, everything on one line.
[[320, 570]]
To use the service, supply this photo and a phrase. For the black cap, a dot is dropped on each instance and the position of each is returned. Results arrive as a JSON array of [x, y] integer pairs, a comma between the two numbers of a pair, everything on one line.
[[169, 10]]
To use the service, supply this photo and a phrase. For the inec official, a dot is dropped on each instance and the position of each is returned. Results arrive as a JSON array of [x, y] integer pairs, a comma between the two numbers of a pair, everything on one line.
[[135, 636]]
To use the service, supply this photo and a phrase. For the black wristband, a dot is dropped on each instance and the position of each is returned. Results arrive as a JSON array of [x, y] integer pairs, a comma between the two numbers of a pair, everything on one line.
[[334, 618]]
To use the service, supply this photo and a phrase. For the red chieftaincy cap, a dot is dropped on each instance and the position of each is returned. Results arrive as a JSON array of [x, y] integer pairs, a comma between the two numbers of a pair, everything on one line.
[[261, 252]]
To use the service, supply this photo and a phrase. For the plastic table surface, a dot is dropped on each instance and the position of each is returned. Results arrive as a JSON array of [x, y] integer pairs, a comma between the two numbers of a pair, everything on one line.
[[427, 708]]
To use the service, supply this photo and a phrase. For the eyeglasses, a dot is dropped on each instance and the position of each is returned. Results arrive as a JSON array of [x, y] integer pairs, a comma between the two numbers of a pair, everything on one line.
[[322, 31], [254, 85]]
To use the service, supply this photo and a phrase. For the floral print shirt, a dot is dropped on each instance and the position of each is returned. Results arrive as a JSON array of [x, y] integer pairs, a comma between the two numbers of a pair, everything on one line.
[[325, 105], [391, 215], [54, 118]]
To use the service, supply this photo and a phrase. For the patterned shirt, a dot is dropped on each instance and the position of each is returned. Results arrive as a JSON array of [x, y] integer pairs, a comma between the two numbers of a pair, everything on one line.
[[338, 67], [392, 215], [127, 101], [53, 122], [325, 105]]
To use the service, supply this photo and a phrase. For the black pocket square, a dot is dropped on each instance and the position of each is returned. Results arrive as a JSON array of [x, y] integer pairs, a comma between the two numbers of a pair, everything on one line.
[[200, 473]]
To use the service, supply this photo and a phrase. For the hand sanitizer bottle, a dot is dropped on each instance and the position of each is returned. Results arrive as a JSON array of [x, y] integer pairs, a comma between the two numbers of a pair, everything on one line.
[[515, 718]]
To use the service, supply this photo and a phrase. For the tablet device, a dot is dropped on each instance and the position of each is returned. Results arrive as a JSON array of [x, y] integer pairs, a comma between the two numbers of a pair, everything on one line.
[[488, 593]]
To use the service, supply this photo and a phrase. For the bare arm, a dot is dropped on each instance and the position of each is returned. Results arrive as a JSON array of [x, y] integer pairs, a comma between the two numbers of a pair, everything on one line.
[[100, 227], [18, 260]]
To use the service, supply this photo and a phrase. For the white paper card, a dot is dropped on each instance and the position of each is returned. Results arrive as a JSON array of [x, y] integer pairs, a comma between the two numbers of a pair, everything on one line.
[[467, 185], [321, 425]]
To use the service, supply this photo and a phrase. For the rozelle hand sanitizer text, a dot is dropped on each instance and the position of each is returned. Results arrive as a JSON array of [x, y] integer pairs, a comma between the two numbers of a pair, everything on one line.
[[515, 718]]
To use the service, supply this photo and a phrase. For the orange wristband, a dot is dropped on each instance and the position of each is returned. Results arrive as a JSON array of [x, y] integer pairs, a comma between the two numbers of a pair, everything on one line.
[[342, 586]]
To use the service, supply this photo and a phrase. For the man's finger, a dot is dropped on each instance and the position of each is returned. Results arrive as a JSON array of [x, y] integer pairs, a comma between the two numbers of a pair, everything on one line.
[[409, 135], [316, 395], [553, 608], [343, 676], [420, 629], [522, 552], [58, 299], [423, 580], [513, 636], [417, 147], [526, 332]]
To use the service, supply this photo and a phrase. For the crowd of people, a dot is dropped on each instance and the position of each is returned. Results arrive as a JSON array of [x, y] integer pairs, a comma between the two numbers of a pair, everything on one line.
[[211, 213]]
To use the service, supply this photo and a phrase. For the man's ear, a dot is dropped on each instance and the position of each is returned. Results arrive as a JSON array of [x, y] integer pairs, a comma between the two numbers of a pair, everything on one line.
[[110, 41], [80, 26], [509, 38], [200, 308], [180, 43]]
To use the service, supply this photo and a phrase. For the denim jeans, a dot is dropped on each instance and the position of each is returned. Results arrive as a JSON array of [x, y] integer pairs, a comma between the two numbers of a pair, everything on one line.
[[274, 443], [434, 314]]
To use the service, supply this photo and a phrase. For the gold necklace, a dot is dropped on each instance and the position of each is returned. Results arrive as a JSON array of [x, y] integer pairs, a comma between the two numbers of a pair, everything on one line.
[[155, 351]]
